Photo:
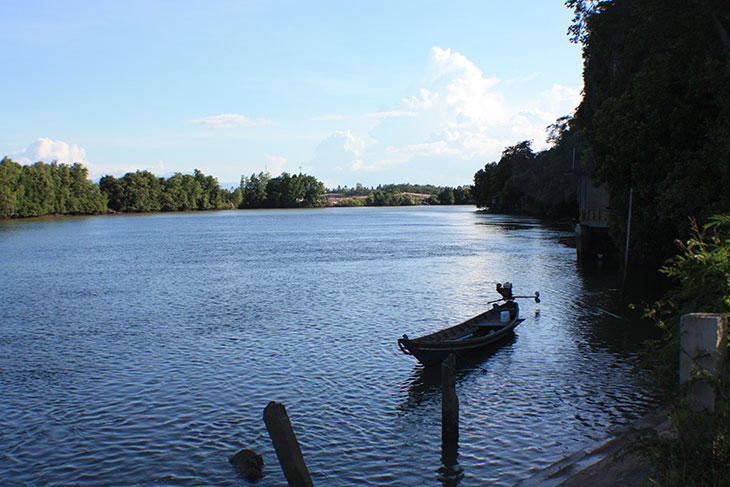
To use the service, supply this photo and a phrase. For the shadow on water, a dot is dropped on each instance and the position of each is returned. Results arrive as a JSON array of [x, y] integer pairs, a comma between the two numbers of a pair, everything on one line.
[[424, 383], [424, 386]]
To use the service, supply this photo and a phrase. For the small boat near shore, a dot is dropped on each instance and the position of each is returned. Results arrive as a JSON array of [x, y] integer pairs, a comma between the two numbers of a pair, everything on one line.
[[474, 334]]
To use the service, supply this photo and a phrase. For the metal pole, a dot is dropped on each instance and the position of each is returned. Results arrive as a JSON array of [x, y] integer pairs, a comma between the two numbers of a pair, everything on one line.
[[628, 234]]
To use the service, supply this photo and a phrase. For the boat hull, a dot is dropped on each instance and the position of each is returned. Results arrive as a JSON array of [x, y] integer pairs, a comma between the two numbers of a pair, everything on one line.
[[475, 334]]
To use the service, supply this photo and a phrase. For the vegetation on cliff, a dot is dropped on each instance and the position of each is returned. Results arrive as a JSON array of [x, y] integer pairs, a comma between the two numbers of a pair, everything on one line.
[[523, 181], [656, 113], [697, 452]]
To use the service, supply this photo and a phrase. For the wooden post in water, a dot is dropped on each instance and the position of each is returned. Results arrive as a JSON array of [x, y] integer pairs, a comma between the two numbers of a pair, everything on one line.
[[449, 411], [286, 445]]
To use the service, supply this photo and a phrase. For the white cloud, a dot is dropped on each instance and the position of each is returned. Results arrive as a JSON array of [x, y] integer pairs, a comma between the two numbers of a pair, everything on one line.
[[340, 150], [275, 164], [392, 114], [456, 121], [230, 120], [330, 117], [48, 150]]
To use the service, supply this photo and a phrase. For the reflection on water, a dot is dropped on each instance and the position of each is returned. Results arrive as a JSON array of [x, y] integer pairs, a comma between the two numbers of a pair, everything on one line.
[[142, 349], [424, 383]]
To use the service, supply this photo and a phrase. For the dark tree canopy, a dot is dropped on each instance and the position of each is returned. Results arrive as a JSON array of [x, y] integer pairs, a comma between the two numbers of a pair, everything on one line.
[[533, 183], [284, 191], [656, 112], [142, 191]]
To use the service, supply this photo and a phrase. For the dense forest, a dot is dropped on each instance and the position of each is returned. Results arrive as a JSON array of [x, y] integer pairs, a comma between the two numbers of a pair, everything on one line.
[[284, 191], [142, 191], [523, 181], [656, 113], [47, 189], [655, 118], [60, 189]]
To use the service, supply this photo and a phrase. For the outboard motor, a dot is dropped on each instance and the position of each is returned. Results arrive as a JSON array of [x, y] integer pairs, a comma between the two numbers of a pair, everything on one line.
[[505, 290]]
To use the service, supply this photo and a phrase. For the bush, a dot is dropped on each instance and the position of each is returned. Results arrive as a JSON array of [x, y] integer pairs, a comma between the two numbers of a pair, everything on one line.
[[698, 451]]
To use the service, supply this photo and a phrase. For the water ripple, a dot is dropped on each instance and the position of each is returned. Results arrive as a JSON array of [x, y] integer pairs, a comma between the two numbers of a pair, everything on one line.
[[141, 350]]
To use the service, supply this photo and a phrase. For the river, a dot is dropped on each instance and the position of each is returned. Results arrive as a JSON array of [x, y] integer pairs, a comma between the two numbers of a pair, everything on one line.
[[142, 349]]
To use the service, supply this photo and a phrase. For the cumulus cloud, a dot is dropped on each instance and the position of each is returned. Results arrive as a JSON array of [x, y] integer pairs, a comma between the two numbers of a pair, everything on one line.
[[392, 114], [48, 150], [275, 164], [341, 150], [330, 117], [457, 120], [230, 120]]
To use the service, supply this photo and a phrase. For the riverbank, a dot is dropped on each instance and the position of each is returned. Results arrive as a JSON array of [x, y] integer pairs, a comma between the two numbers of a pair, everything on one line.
[[603, 464]]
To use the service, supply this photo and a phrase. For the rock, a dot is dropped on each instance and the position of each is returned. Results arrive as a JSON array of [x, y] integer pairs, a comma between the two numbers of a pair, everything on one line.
[[249, 464]]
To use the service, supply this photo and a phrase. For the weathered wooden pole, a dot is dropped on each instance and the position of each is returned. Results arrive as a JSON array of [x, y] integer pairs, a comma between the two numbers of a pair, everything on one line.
[[449, 412], [702, 352], [286, 445]]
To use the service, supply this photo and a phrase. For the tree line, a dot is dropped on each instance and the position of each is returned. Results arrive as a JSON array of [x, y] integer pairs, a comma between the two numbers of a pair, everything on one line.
[[47, 189], [284, 191], [142, 191], [398, 194], [654, 121], [523, 181]]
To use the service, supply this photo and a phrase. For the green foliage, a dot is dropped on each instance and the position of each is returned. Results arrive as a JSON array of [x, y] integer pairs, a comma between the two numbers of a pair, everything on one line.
[[656, 112], [702, 269], [47, 189], [699, 453], [284, 191], [351, 202], [390, 198], [254, 190], [446, 196], [142, 191], [525, 182], [395, 195]]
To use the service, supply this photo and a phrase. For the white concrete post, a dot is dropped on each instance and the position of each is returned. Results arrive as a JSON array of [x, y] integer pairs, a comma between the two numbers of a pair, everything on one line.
[[702, 352]]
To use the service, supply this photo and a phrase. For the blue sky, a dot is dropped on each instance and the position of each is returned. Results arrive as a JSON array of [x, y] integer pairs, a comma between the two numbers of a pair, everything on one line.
[[369, 92]]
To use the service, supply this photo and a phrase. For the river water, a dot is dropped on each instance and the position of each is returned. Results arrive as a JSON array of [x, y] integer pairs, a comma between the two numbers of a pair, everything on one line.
[[142, 349]]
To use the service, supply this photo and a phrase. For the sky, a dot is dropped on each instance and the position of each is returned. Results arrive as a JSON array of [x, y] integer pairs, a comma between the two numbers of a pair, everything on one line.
[[356, 91]]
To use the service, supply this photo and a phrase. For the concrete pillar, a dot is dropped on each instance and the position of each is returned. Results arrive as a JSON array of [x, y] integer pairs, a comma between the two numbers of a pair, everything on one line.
[[702, 352]]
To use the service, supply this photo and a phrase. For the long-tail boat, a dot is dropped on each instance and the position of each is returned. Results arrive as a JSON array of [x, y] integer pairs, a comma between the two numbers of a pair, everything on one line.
[[476, 333]]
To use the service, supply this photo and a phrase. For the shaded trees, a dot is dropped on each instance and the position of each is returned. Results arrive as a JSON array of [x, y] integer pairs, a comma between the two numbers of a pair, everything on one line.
[[656, 112], [527, 182], [254, 190], [284, 191], [47, 189], [142, 191]]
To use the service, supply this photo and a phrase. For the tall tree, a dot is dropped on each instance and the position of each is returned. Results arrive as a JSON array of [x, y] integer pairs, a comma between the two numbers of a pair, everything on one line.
[[656, 111]]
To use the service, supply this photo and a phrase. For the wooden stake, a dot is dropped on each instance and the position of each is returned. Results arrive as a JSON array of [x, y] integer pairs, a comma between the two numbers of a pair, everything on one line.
[[449, 404], [286, 445]]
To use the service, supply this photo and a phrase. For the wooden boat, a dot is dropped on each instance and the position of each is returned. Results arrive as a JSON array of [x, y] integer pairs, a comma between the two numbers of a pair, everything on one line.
[[474, 334]]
